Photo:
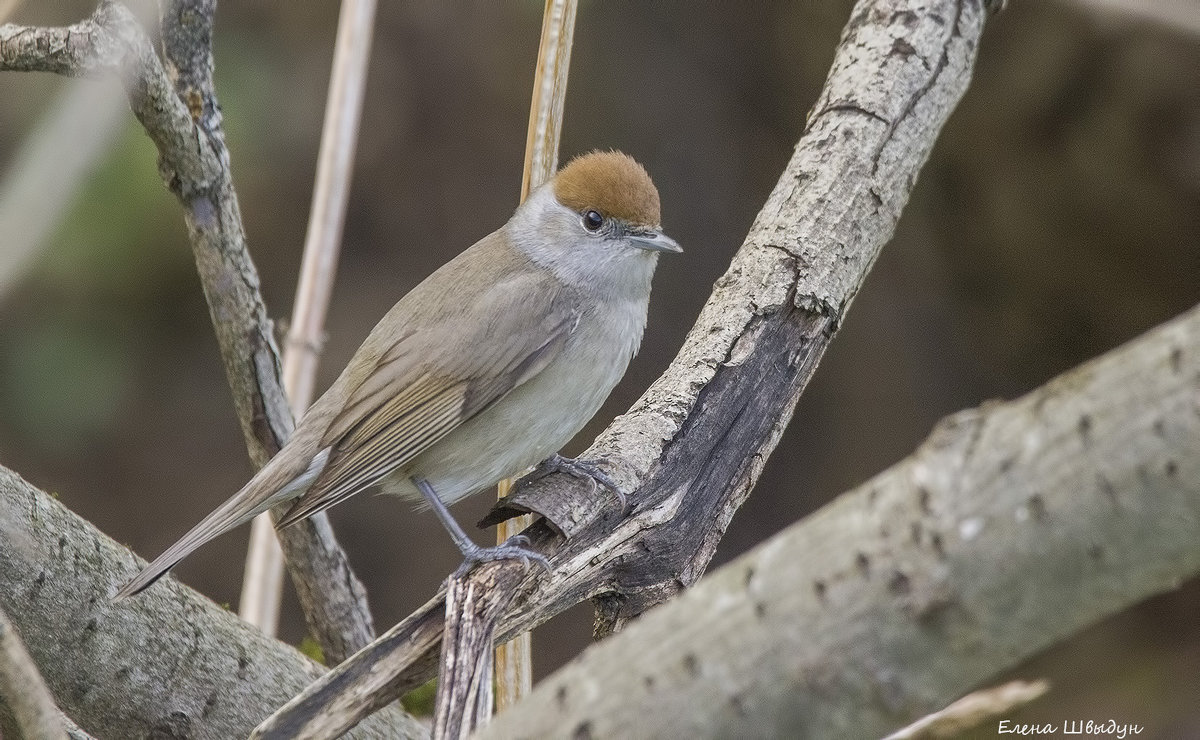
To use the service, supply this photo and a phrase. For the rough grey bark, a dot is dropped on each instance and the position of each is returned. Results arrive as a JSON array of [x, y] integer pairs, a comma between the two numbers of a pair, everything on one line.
[[693, 446], [465, 691], [171, 662], [1015, 525], [180, 113]]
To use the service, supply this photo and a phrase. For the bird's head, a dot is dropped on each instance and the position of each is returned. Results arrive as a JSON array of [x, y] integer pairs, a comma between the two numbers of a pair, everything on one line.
[[596, 224]]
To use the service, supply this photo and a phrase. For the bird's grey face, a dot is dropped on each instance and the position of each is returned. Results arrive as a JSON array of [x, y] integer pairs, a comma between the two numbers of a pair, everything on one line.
[[589, 248], [609, 230]]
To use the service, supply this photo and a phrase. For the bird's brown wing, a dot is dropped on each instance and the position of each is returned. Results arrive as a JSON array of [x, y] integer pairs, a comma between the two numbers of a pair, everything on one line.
[[423, 387]]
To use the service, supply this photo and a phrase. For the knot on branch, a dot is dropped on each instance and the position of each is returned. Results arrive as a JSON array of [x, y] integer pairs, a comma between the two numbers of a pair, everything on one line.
[[820, 306]]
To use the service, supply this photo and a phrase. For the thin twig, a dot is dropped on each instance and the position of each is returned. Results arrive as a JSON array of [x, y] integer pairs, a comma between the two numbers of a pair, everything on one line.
[[549, 94], [334, 602], [973, 710], [180, 113], [514, 660], [263, 583], [24, 691]]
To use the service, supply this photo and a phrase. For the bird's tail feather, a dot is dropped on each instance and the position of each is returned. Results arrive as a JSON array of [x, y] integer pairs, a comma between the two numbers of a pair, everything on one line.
[[261, 493]]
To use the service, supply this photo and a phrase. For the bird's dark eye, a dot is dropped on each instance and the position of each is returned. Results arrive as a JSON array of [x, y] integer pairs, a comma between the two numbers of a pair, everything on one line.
[[592, 220]]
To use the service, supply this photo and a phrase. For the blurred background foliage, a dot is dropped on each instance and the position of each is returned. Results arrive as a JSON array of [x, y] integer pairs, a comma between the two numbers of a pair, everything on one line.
[[1058, 217]]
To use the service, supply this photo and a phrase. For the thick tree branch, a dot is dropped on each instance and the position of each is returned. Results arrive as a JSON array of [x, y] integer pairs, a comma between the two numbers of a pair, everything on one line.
[[693, 446], [176, 665], [180, 114], [1014, 526]]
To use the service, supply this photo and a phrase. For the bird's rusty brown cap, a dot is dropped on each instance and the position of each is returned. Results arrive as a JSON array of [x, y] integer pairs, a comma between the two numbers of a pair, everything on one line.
[[612, 183]]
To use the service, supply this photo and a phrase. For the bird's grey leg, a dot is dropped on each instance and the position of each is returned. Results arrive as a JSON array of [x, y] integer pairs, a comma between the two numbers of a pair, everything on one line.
[[556, 463], [472, 552]]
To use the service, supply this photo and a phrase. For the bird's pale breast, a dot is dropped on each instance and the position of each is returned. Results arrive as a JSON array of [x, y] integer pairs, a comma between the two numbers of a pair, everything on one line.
[[537, 418]]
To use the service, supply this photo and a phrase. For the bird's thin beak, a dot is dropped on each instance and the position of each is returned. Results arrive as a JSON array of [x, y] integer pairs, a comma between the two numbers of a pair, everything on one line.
[[655, 241]]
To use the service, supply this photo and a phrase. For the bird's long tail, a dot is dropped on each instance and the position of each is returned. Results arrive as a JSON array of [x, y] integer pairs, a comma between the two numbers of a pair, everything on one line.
[[270, 486]]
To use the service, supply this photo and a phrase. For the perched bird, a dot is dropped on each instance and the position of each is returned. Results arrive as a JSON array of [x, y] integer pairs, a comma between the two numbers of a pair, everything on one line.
[[487, 367]]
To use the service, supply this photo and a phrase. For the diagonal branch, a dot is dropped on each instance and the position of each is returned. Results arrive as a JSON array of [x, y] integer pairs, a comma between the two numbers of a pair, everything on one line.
[[111, 42], [334, 601], [1014, 526], [262, 584], [693, 446], [183, 119]]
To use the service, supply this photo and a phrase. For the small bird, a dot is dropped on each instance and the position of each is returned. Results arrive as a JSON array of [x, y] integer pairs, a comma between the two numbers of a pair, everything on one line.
[[487, 367]]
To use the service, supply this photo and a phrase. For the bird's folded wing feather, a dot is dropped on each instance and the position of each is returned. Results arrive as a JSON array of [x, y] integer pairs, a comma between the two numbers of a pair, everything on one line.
[[424, 386]]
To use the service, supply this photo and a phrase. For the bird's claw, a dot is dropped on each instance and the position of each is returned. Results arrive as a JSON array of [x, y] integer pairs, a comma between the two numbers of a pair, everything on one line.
[[513, 549]]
